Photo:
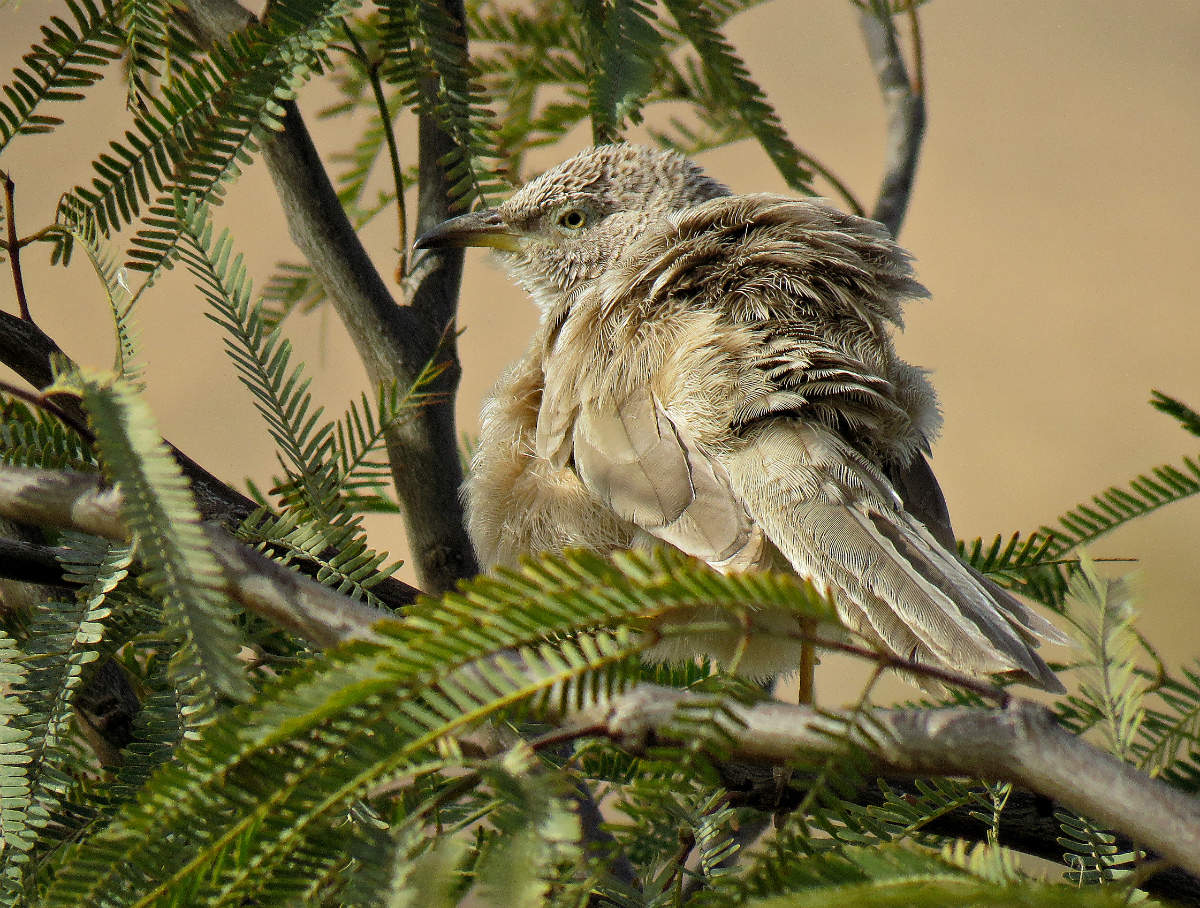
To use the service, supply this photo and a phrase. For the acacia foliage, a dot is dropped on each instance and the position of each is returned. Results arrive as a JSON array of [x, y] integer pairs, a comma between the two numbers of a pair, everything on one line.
[[260, 771]]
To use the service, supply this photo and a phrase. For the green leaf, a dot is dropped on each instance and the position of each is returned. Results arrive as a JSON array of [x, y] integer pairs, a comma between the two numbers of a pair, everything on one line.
[[698, 22], [1188, 418], [169, 540], [625, 47], [70, 59]]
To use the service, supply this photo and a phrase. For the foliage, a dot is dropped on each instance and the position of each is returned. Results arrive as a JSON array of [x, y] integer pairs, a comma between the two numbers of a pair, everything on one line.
[[426, 765]]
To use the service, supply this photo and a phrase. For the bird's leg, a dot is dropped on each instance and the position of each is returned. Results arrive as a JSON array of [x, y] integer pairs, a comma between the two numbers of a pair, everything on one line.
[[808, 663]]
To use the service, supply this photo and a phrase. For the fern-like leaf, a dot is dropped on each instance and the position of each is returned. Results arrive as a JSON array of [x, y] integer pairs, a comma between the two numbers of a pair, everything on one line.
[[891, 875], [112, 277], [196, 137], [1116, 506], [179, 569], [263, 779], [625, 47], [422, 42], [70, 59], [17, 834], [1170, 733], [65, 640], [1101, 620], [1188, 418], [146, 30], [697, 21], [325, 462], [34, 438]]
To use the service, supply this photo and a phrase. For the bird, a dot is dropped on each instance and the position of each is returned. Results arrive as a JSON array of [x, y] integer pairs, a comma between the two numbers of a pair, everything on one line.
[[716, 372]]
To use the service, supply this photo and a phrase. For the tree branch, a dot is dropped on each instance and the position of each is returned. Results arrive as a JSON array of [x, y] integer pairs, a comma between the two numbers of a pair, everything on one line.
[[395, 342], [30, 562], [290, 600], [1022, 744], [904, 101], [27, 350]]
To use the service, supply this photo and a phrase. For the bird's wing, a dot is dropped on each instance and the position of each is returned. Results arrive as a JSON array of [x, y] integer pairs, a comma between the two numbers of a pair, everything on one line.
[[646, 467], [837, 520], [827, 510]]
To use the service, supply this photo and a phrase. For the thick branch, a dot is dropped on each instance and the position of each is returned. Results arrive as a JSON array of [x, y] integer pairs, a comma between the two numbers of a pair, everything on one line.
[[290, 600], [904, 102], [395, 342], [30, 562], [1022, 744]]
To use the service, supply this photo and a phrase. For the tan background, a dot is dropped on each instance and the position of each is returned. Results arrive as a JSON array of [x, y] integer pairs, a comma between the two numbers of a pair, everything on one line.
[[1054, 220]]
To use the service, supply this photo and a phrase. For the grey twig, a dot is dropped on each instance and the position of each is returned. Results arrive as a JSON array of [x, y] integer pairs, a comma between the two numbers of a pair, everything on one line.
[[395, 341], [290, 600], [904, 101]]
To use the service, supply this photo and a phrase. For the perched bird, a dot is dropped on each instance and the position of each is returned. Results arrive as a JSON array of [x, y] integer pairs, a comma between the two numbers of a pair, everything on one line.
[[716, 372]]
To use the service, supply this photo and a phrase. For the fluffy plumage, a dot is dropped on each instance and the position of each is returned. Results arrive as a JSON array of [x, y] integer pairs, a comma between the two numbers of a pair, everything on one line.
[[716, 372]]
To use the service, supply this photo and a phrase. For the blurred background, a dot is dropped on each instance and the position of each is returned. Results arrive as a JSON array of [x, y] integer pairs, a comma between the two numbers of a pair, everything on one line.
[[1053, 221]]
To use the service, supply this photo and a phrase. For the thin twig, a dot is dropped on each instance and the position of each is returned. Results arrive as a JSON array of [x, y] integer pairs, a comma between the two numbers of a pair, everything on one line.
[[71, 420], [807, 694], [835, 181], [14, 247], [918, 50], [997, 695]]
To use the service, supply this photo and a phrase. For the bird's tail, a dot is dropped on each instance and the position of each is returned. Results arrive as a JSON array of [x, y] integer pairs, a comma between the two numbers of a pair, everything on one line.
[[837, 521]]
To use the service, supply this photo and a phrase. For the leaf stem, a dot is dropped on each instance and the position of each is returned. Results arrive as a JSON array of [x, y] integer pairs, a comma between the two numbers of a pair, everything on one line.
[[42, 403], [14, 247], [371, 71]]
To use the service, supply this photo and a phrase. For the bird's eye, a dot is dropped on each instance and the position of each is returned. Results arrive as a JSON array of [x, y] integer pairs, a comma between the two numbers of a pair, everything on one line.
[[572, 219]]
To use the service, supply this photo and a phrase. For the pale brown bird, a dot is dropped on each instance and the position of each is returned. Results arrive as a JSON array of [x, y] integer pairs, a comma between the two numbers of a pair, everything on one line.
[[716, 372]]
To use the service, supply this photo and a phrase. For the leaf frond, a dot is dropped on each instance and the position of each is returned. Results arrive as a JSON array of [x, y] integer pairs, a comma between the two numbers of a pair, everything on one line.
[[179, 569], [71, 57]]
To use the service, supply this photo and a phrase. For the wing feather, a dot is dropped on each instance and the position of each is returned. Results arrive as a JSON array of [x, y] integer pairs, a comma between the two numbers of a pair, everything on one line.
[[646, 467], [836, 520]]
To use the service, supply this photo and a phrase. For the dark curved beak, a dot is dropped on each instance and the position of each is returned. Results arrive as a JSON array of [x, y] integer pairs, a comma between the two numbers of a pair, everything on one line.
[[479, 228]]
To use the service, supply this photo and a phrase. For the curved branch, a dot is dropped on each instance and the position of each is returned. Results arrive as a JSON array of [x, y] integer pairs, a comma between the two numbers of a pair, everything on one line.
[[290, 600], [1022, 744], [904, 102]]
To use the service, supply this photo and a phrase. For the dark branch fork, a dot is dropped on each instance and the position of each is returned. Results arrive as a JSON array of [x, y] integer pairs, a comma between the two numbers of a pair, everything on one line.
[[395, 342]]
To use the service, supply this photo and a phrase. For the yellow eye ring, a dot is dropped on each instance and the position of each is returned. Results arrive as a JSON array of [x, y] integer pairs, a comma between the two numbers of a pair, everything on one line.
[[573, 219]]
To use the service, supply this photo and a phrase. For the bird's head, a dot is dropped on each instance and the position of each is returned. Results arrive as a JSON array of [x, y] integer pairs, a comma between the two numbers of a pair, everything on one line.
[[564, 228]]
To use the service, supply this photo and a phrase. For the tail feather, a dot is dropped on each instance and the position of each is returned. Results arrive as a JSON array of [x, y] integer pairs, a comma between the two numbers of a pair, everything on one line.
[[838, 522]]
